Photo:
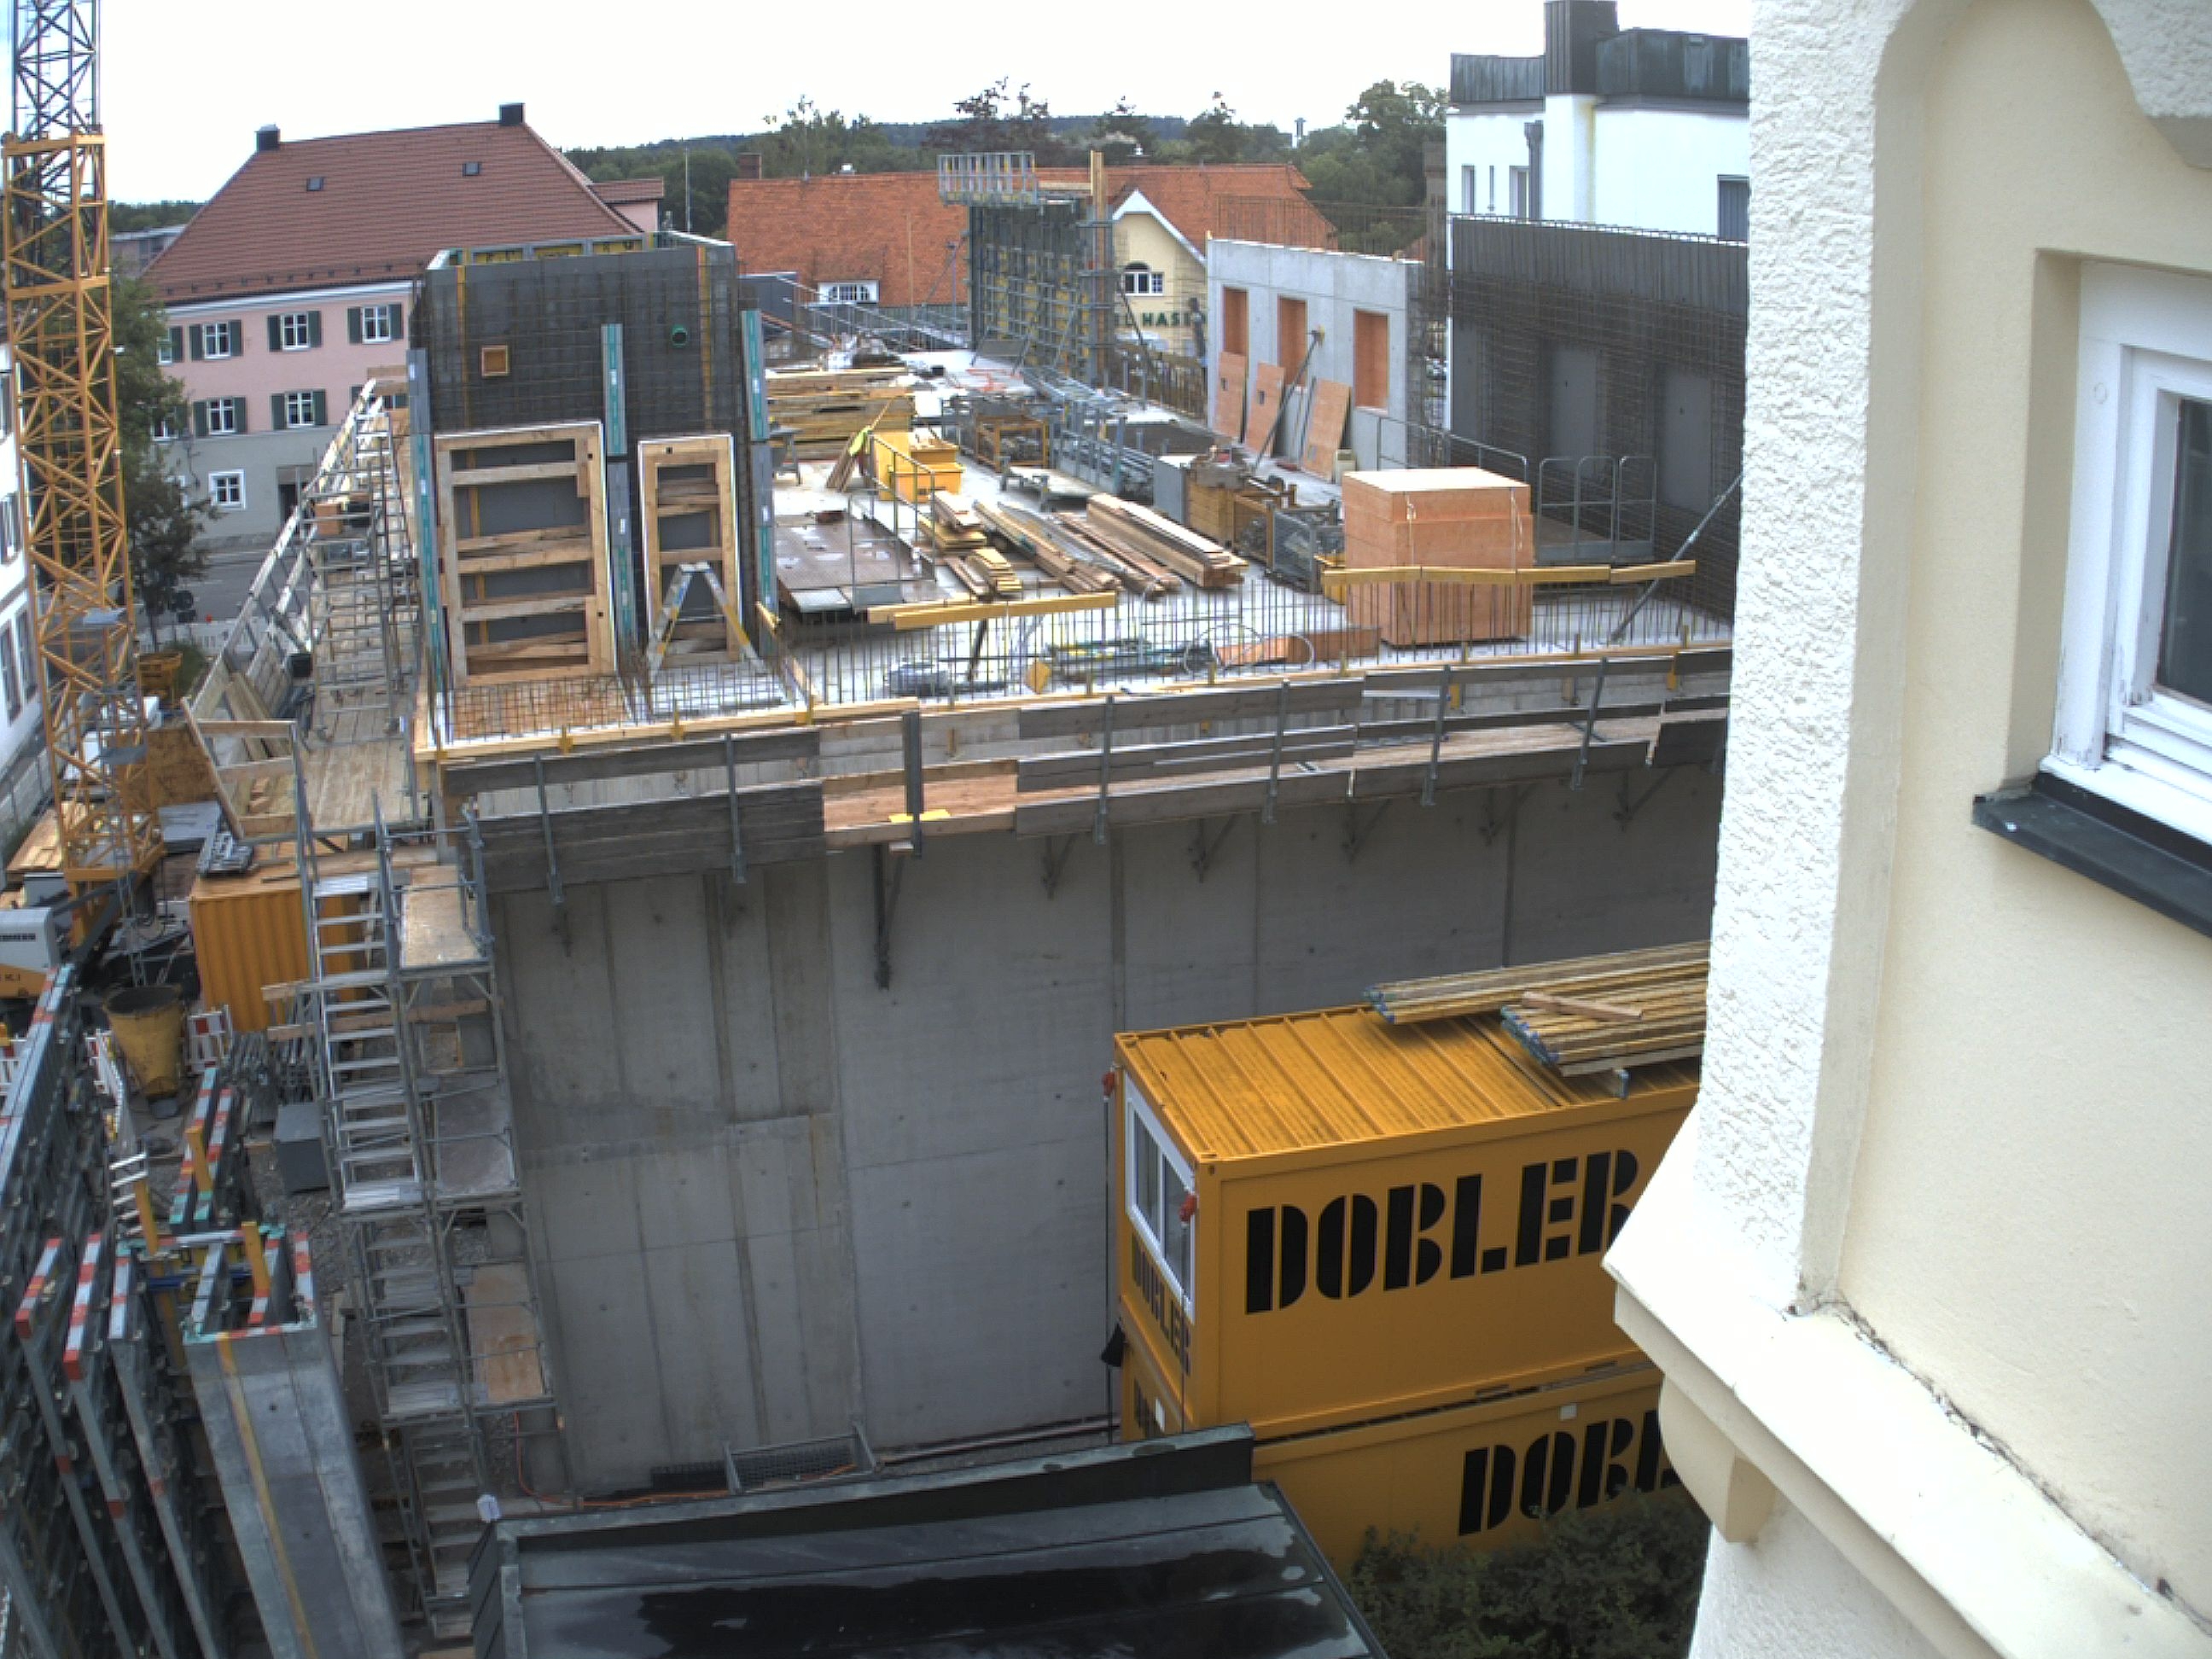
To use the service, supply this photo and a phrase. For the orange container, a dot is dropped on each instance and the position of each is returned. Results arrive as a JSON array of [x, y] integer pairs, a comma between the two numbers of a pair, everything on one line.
[[248, 933]]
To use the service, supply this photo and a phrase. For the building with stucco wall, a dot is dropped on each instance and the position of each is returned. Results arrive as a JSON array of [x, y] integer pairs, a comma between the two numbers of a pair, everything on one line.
[[1923, 1272], [1648, 129]]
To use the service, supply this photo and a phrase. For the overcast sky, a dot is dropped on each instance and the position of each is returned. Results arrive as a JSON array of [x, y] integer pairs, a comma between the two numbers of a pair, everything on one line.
[[187, 85]]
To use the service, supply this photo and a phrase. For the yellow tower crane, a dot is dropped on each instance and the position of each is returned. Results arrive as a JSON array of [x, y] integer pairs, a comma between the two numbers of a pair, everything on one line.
[[61, 325]]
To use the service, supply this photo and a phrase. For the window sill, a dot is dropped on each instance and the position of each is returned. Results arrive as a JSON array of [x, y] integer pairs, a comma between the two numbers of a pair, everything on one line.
[[2136, 857]]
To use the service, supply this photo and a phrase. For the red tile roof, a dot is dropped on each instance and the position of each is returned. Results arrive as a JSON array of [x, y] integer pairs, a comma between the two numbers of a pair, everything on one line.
[[619, 190], [890, 229], [387, 202]]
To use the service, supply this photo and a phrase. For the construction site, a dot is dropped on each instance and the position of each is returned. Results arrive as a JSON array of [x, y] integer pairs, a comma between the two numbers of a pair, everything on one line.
[[598, 999]]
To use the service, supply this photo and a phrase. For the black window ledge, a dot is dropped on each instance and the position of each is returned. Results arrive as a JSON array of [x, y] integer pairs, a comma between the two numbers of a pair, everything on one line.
[[2137, 857]]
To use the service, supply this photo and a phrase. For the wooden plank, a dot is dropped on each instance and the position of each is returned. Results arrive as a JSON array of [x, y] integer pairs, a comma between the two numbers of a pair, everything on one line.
[[505, 539], [1329, 406], [1229, 377], [549, 604], [1267, 398], [478, 477], [1192, 754], [907, 618], [1135, 713], [562, 553], [503, 1333]]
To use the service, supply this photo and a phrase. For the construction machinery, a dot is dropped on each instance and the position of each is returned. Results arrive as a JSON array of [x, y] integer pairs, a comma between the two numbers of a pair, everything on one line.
[[61, 325]]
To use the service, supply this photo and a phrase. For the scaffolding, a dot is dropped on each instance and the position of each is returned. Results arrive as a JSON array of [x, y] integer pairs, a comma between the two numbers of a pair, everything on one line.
[[409, 1062], [366, 599]]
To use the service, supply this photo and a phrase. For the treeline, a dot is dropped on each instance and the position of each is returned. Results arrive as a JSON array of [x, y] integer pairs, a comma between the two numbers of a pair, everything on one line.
[[1373, 155]]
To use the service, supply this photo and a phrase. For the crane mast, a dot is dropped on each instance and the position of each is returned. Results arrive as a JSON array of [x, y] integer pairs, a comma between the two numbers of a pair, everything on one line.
[[61, 323]]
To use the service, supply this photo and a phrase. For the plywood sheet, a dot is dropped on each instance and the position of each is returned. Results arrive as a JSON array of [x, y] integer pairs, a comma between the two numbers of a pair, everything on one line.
[[1229, 393], [1327, 408], [503, 1335], [688, 506], [1266, 399]]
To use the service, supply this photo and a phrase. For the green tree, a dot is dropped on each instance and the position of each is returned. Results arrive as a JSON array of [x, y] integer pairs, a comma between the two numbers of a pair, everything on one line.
[[1121, 133], [1378, 156], [163, 516], [149, 216], [1617, 1582]]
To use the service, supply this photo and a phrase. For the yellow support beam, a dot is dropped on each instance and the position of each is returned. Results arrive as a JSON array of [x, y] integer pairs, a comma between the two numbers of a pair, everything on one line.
[[907, 617]]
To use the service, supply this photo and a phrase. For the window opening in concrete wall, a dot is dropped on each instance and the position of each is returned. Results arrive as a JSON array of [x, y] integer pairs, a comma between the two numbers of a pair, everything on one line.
[[1235, 322], [1370, 359], [1290, 331]]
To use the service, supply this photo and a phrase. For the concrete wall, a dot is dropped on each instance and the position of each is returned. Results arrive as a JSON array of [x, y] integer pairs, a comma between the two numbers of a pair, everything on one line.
[[768, 1195], [1335, 287], [1917, 1265]]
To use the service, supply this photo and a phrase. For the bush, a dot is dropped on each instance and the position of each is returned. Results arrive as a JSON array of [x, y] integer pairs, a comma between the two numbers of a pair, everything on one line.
[[1618, 1582]]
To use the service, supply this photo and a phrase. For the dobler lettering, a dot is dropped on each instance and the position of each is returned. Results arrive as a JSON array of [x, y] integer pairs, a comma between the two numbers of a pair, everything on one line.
[[1166, 1306], [1412, 1234], [1561, 1469]]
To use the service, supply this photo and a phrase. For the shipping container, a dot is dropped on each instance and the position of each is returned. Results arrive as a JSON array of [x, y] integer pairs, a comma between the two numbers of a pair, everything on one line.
[[1325, 1219], [248, 933], [1483, 1474]]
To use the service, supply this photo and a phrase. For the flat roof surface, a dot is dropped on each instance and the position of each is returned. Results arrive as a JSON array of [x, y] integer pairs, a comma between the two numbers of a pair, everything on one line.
[[1340, 1077], [1148, 1550]]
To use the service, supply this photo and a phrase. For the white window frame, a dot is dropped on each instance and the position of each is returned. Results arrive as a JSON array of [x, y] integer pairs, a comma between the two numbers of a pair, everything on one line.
[[1520, 192], [229, 408], [214, 491], [163, 353], [1143, 1136], [849, 293], [211, 336], [299, 409], [291, 339], [1140, 281], [165, 431], [2146, 346], [376, 327]]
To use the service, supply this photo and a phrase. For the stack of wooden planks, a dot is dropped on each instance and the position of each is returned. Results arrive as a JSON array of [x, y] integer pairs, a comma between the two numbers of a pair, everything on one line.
[[1028, 535], [821, 408], [1129, 530], [1581, 1017], [1458, 517], [523, 534]]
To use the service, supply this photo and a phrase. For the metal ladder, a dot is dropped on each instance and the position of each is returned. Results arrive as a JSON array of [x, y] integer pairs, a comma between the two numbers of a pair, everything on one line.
[[372, 1134]]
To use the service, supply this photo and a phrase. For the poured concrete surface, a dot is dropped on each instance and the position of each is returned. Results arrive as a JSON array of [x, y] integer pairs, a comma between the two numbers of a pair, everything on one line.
[[768, 1196]]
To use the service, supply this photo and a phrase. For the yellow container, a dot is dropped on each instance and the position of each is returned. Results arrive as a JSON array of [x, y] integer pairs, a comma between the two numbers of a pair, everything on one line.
[[1326, 1219], [914, 464], [248, 933], [1483, 1474], [148, 1024]]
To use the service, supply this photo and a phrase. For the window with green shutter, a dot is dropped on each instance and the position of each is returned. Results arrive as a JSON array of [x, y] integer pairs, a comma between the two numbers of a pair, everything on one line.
[[322, 412], [353, 324], [199, 420]]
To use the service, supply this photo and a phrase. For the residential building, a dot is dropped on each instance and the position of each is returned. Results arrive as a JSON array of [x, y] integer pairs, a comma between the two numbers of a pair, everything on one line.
[[1924, 1272], [129, 251], [889, 239], [1645, 128], [637, 200], [291, 287]]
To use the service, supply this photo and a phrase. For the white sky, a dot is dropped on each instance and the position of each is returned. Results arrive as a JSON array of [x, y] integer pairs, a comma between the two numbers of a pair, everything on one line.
[[187, 85]]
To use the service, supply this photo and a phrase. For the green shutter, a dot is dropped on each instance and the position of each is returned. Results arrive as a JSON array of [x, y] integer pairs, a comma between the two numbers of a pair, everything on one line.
[[276, 420], [199, 340], [315, 328], [199, 420], [237, 338], [398, 322], [276, 332], [353, 324], [238, 404], [176, 345], [322, 411]]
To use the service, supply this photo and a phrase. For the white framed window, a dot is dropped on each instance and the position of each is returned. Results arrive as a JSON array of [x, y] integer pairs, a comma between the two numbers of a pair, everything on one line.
[[1493, 189], [2133, 718], [376, 324], [227, 490], [216, 341], [27, 650], [11, 527], [165, 350], [1140, 278], [300, 409], [295, 330], [221, 416], [1159, 1198], [10, 683], [1470, 190], [165, 431], [1517, 191], [849, 294]]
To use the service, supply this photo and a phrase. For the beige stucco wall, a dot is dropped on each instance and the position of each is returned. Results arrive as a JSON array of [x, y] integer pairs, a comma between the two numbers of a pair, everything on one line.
[[1140, 236], [2024, 1223]]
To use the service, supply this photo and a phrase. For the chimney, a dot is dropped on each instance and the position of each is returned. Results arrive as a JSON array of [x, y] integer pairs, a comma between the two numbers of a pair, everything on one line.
[[510, 115], [265, 139]]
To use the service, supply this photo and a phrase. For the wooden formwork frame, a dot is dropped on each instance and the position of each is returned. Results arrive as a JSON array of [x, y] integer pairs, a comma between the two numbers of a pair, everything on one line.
[[472, 559], [661, 497]]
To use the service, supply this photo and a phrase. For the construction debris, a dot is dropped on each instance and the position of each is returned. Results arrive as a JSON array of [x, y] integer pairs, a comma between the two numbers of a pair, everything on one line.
[[1588, 1015]]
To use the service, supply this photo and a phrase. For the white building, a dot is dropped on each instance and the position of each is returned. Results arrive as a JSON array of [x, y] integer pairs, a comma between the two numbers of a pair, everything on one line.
[[1647, 129], [1927, 1271], [21, 734]]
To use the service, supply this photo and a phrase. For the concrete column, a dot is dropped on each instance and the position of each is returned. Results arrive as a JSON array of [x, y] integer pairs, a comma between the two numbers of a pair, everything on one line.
[[1570, 156]]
